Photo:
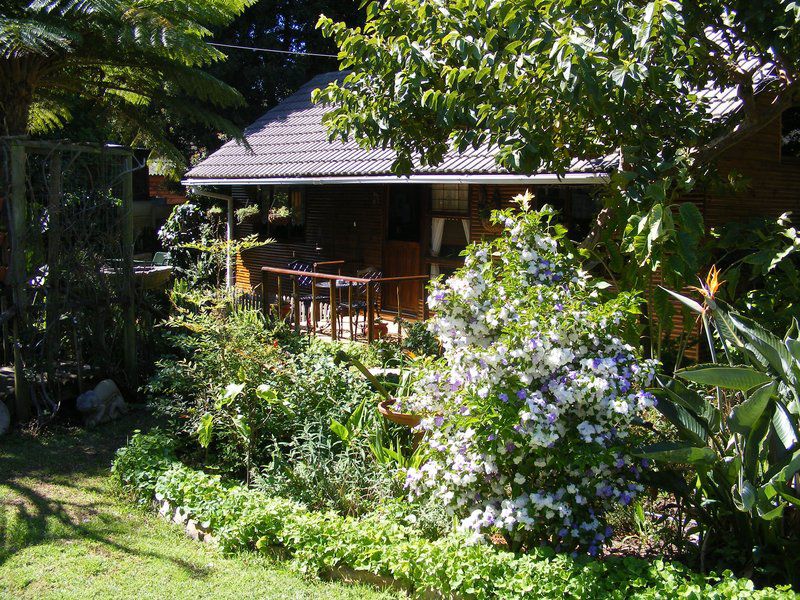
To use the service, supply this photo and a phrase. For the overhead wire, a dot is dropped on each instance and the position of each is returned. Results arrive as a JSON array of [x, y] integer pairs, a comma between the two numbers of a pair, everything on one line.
[[271, 50]]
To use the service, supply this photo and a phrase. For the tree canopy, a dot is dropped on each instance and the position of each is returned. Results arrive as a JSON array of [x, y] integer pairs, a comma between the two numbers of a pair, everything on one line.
[[138, 64], [546, 82]]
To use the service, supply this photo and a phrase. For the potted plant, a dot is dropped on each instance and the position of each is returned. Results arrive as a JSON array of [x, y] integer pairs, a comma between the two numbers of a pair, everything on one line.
[[247, 214], [386, 407], [280, 216], [381, 329]]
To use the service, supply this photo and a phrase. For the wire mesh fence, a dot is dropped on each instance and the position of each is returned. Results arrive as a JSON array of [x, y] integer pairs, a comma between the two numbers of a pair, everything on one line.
[[67, 269]]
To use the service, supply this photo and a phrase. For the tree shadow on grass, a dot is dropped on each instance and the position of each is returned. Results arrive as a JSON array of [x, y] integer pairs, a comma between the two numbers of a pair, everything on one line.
[[33, 510]]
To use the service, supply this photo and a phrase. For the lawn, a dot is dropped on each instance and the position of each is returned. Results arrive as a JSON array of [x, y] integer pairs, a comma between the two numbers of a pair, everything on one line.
[[65, 532]]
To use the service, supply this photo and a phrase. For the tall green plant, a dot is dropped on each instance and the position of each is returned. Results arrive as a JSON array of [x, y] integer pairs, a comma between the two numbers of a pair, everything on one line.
[[139, 64], [742, 438]]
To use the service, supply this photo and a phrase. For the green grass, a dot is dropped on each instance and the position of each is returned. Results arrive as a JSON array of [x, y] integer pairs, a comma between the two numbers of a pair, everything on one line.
[[65, 532]]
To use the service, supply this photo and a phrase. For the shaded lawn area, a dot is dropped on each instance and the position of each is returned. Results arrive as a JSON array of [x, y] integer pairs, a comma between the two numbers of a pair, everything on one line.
[[65, 532]]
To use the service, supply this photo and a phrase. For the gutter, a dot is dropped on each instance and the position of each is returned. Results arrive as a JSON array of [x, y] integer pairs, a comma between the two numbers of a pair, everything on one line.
[[500, 178]]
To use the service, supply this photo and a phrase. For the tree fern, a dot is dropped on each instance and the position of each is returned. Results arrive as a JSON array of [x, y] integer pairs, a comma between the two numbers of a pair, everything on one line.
[[137, 62]]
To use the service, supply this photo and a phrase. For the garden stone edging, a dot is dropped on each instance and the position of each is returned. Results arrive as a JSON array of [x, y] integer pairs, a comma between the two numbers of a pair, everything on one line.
[[200, 533]]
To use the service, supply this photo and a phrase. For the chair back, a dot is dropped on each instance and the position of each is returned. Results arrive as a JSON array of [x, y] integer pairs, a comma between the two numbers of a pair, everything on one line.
[[304, 283], [366, 273]]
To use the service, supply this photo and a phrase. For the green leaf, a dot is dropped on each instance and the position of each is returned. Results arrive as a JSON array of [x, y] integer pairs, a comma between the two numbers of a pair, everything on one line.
[[734, 378], [693, 304], [744, 416], [783, 424], [692, 219], [232, 391], [690, 427], [205, 430], [340, 430], [679, 452]]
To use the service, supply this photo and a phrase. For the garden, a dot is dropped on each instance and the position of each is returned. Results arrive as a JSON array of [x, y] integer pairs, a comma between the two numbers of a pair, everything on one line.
[[615, 417], [518, 443]]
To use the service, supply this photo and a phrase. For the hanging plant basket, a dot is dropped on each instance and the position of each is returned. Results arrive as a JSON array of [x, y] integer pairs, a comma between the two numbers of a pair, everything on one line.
[[405, 419]]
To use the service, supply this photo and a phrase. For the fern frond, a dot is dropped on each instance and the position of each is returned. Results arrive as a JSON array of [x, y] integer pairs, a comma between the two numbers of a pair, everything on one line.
[[47, 116], [24, 37]]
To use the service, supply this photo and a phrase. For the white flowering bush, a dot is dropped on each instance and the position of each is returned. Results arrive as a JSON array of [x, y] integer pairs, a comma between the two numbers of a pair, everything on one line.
[[529, 410]]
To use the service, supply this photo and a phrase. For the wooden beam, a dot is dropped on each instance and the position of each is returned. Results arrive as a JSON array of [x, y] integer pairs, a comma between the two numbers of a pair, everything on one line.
[[129, 311], [17, 225]]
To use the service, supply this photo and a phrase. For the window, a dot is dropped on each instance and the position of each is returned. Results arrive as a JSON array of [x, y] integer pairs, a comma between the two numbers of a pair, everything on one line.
[[450, 223], [283, 213], [450, 198]]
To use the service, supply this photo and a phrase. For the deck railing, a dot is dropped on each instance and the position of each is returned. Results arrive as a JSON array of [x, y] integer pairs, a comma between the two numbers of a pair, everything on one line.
[[339, 291]]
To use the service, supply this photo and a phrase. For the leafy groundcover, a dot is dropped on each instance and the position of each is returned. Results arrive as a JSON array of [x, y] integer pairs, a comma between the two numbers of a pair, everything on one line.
[[322, 542]]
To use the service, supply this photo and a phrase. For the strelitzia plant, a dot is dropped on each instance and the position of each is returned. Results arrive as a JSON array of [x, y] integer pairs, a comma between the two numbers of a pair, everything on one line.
[[741, 437]]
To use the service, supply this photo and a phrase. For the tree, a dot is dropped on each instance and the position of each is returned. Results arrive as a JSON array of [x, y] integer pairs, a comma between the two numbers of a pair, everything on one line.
[[547, 82], [137, 64], [266, 78]]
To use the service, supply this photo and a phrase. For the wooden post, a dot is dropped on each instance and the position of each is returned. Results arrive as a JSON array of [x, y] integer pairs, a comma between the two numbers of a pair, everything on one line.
[[129, 318], [264, 295], [229, 240], [370, 314], [53, 297], [350, 307], [397, 320], [280, 299], [19, 211], [314, 306], [424, 302], [333, 311], [296, 304]]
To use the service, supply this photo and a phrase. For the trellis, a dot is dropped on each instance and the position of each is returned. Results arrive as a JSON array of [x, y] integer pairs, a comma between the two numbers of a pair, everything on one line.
[[69, 301]]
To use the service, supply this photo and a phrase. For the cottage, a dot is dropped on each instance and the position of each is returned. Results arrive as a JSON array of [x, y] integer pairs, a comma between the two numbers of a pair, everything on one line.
[[338, 205]]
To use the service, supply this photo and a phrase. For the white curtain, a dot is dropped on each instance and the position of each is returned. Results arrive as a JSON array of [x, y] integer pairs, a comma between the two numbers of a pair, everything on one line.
[[434, 270], [465, 225], [437, 231]]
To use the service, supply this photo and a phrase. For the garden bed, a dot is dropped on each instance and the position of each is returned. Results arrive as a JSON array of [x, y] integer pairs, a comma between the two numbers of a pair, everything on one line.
[[378, 549]]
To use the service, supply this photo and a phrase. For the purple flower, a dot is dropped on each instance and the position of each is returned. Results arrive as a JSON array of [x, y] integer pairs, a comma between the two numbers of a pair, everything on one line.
[[559, 307], [551, 418], [503, 397], [438, 421], [491, 437], [522, 394], [625, 498], [439, 295], [510, 447]]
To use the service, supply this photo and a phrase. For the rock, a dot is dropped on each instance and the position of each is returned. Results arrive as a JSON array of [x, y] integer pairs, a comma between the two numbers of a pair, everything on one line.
[[5, 418], [193, 531], [103, 403]]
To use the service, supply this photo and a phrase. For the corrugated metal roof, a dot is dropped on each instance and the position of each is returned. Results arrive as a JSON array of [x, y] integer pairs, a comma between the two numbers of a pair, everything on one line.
[[290, 142]]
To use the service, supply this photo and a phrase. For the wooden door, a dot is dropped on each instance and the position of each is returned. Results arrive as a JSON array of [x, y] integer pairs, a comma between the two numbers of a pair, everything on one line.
[[401, 259], [401, 250]]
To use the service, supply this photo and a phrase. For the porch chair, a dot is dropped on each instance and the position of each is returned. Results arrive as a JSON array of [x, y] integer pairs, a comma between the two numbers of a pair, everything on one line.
[[359, 304], [304, 287]]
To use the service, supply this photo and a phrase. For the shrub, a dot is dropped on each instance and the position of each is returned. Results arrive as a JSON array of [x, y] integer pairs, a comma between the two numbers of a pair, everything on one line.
[[527, 411], [138, 465]]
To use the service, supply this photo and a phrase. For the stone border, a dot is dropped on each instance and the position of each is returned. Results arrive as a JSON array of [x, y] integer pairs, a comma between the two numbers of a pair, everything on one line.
[[202, 533]]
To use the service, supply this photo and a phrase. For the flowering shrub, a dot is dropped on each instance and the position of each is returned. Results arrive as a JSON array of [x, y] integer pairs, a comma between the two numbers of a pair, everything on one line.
[[528, 410]]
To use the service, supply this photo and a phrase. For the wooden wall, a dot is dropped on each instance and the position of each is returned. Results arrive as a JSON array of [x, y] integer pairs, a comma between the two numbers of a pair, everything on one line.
[[343, 222], [770, 187]]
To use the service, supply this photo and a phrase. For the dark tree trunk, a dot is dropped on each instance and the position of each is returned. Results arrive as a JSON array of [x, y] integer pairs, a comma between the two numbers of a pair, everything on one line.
[[16, 97]]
